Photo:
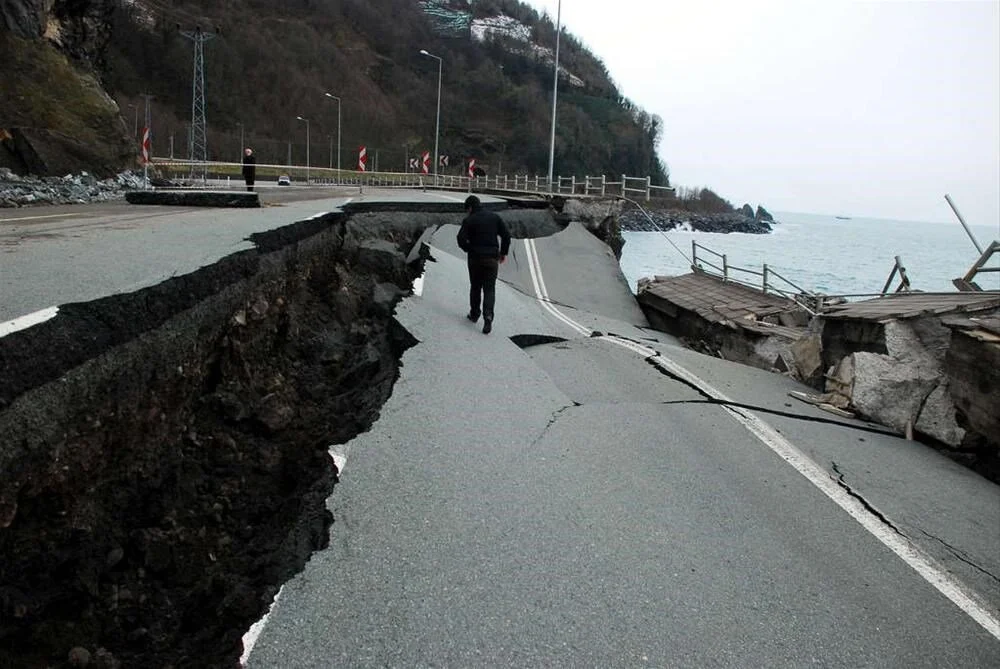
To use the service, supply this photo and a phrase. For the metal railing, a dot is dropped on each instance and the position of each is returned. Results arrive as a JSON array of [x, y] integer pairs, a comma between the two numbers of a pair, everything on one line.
[[572, 185], [806, 299], [904, 281], [967, 283]]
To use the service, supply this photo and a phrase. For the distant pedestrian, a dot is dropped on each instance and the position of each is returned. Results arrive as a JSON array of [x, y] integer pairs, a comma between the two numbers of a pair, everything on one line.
[[478, 238], [249, 167]]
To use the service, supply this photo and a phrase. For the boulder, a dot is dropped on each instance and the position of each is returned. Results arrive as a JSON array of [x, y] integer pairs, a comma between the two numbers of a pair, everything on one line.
[[889, 391], [763, 215], [747, 210], [808, 359], [937, 418]]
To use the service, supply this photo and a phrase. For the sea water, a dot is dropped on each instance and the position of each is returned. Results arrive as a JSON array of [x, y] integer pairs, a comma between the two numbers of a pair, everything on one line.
[[824, 253]]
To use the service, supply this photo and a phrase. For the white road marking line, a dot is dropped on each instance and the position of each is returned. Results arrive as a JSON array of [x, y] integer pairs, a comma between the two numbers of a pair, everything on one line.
[[37, 218], [28, 320], [250, 638], [339, 455], [535, 269], [927, 567]]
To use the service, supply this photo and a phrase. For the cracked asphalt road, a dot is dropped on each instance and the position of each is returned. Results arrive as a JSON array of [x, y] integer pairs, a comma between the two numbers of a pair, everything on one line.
[[568, 505]]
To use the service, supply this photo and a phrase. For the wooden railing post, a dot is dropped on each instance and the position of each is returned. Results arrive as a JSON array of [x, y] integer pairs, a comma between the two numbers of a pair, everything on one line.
[[765, 278], [604, 182], [648, 184]]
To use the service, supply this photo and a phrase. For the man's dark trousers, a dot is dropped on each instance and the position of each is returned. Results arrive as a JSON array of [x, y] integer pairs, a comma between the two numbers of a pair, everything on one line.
[[483, 272]]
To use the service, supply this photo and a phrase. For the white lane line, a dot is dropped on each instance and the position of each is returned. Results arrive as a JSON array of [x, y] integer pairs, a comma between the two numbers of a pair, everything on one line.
[[253, 634], [535, 269], [37, 218], [26, 321], [927, 567], [338, 453]]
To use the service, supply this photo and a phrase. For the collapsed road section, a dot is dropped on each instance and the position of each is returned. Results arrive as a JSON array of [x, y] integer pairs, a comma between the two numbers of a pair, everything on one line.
[[164, 454]]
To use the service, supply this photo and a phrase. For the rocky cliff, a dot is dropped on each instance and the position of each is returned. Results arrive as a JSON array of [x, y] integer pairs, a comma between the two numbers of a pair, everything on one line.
[[69, 124]]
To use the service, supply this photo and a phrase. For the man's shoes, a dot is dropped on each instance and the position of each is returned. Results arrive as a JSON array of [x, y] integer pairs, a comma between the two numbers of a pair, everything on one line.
[[487, 325], [472, 317]]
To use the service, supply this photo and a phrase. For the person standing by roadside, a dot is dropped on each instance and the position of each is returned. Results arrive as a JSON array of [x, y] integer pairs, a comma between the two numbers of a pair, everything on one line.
[[249, 167], [478, 238]]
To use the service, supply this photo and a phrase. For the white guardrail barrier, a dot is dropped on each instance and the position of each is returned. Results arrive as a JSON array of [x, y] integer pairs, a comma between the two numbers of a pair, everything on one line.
[[197, 172]]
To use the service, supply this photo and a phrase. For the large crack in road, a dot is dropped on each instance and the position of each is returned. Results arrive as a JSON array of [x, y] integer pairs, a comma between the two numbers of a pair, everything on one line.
[[164, 459]]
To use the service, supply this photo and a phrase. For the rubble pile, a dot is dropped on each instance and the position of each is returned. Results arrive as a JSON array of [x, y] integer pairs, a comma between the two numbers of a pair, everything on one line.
[[24, 191]]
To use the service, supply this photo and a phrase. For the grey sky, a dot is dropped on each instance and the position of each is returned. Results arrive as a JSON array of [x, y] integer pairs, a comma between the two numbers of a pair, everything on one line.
[[856, 108]]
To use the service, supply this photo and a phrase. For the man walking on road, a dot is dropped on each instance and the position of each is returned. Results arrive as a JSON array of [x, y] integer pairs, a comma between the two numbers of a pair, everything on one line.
[[249, 167], [478, 238]]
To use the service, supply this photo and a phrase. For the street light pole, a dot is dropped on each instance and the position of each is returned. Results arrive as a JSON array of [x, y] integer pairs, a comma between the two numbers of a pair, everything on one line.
[[307, 145], [555, 94], [437, 125], [338, 127]]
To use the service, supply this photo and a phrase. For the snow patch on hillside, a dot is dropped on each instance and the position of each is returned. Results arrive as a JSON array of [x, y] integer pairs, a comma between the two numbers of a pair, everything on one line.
[[506, 26]]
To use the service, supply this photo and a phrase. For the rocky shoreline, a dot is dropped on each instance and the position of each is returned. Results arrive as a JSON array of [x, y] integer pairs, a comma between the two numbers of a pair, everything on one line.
[[25, 191], [633, 220]]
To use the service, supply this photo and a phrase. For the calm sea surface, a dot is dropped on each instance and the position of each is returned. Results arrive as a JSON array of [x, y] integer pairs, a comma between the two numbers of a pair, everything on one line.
[[825, 254]]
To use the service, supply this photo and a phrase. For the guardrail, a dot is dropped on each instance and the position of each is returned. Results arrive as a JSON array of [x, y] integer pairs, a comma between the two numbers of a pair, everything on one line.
[[904, 281], [967, 282], [808, 300], [571, 185]]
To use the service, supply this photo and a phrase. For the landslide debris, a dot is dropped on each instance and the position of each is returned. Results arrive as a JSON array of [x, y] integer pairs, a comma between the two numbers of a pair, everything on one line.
[[164, 456]]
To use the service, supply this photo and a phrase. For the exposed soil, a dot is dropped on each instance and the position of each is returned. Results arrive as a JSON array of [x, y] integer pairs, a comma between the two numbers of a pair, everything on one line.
[[165, 456]]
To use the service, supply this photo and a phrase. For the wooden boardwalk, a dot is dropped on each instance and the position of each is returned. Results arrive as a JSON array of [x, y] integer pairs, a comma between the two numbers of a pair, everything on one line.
[[718, 301], [725, 302], [914, 305]]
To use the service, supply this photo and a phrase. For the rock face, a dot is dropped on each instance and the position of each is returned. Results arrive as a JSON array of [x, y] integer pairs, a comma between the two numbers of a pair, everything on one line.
[[763, 215], [69, 124], [747, 210], [634, 220]]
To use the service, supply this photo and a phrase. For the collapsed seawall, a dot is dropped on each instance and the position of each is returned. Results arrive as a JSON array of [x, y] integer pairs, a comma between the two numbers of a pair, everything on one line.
[[164, 454]]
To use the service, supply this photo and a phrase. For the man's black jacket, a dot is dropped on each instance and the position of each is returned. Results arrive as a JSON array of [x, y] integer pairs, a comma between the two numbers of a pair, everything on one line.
[[479, 232]]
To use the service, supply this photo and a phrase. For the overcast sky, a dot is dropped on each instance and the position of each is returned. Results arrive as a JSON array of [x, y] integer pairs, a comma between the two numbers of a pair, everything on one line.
[[836, 107]]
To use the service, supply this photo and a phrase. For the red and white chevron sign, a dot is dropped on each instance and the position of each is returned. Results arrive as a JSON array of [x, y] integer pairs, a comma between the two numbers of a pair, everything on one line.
[[362, 158], [145, 146], [425, 162], [472, 167]]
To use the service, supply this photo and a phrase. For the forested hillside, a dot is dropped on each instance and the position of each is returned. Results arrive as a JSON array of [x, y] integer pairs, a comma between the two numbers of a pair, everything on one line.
[[273, 61]]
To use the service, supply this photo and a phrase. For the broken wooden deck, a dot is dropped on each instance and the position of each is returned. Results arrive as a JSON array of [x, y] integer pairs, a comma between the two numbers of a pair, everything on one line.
[[915, 305], [725, 302]]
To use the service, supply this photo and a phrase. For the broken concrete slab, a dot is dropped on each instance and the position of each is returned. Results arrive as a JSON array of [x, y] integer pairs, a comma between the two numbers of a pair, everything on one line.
[[194, 198], [890, 391], [937, 418]]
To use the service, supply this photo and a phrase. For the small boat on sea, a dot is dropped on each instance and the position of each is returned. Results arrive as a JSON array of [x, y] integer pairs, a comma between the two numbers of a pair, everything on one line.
[[843, 218]]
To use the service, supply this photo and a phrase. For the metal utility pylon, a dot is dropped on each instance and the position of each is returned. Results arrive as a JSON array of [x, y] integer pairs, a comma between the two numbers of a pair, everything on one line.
[[198, 144]]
